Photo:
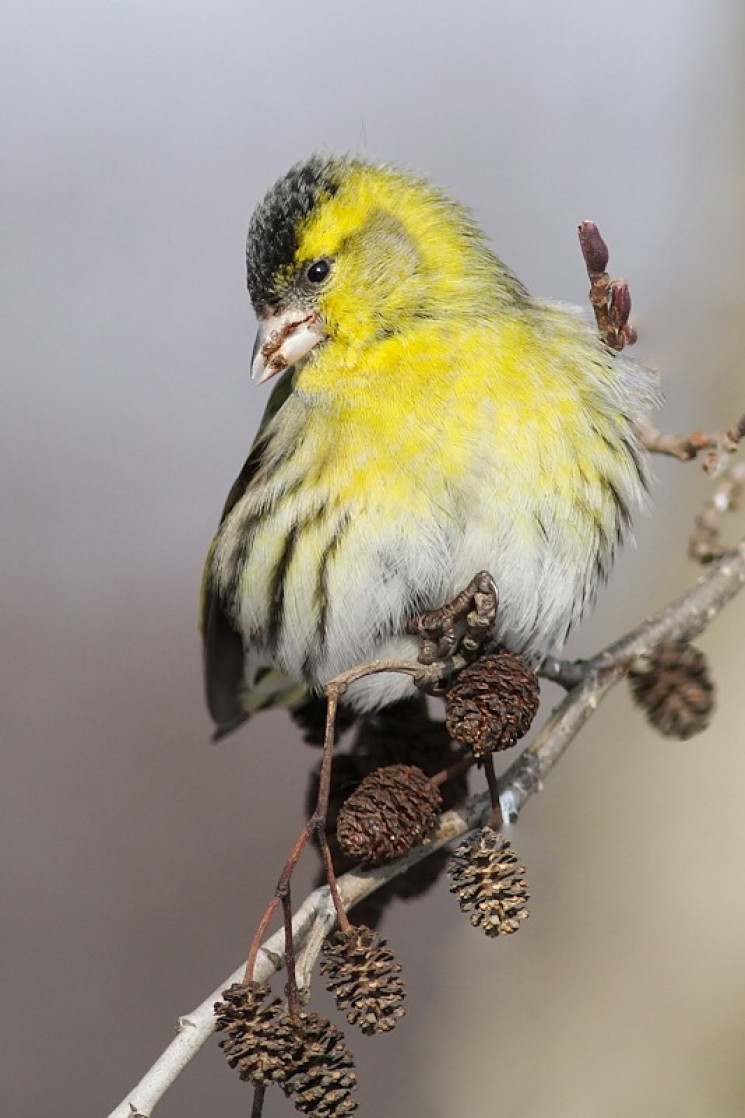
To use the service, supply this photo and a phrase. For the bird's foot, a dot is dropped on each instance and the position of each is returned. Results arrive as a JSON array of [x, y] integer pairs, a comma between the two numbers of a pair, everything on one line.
[[462, 624]]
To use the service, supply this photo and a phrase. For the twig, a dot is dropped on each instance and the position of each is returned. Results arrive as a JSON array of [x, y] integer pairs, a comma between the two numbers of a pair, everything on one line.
[[567, 673], [463, 764], [705, 544], [683, 619], [315, 917], [720, 444], [610, 299], [494, 798], [283, 885], [291, 991], [317, 824], [258, 1103]]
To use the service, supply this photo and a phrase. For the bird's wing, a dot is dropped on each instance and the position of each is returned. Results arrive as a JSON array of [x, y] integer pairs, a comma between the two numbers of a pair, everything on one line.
[[224, 654]]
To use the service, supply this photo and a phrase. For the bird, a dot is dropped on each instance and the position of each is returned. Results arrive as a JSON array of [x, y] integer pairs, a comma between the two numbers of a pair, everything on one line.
[[430, 419]]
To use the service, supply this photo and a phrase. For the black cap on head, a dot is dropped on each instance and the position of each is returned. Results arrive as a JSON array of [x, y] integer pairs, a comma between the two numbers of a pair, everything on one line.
[[272, 234]]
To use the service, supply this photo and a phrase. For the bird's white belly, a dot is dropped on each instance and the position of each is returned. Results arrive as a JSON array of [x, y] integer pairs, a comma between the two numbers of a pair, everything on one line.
[[379, 579]]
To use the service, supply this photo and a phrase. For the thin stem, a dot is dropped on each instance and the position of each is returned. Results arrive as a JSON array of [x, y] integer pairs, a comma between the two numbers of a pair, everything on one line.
[[687, 447], [328, 865], [457, 767], [258, 938], [491, 780], [282, 886], [333, 692], [425, 676], [293, 1002], [258, 1104], [705, 544], [318, 820]]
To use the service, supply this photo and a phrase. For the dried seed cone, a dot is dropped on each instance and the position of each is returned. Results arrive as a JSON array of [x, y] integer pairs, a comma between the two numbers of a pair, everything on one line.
[[489, 882], [675, 689], [306, 1057], [492, 703], [323, 1076], [258, 1042], [402, 733], [393, 809], [363, 975]]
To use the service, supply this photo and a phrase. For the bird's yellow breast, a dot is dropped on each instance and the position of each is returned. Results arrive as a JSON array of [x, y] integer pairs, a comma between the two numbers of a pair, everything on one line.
[[434, 410]]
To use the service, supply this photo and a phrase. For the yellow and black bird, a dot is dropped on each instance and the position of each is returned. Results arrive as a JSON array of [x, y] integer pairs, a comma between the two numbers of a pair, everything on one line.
[[431, 419]]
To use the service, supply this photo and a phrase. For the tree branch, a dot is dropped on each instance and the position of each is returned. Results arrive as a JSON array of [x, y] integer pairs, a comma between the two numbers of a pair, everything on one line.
[[719, 444], [705, 543], [590, 681]]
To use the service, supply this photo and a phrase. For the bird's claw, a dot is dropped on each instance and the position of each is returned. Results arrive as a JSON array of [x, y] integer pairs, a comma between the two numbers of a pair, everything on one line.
[[464, 623]]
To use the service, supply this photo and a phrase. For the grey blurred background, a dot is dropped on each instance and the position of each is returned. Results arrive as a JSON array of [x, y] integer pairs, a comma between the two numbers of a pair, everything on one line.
[[137, 137]]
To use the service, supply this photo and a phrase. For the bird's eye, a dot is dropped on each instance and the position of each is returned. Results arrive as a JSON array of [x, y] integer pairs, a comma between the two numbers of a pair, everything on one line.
[[318, 270]]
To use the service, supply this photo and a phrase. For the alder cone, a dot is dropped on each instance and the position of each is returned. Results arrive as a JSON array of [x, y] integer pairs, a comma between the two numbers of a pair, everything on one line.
[[324, 1075], [675, 690], [492, 703], [305, 1056], [392, 810], [489, 882], [364, 976], [402, 733], [258, 1043]]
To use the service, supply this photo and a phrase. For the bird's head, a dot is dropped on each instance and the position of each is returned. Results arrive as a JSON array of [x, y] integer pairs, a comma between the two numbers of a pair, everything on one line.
[[348, 251]]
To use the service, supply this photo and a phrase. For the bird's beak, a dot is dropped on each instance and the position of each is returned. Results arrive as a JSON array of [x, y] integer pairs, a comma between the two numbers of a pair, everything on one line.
[[282, 340]]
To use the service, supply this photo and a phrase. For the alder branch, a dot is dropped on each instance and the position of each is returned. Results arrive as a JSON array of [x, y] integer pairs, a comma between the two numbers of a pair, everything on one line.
[[311, 923], [610, 298], [719, 444], [682, 619], [705, 543]]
